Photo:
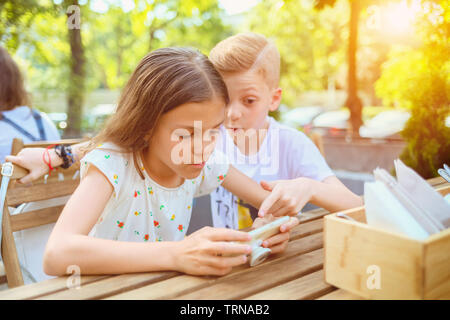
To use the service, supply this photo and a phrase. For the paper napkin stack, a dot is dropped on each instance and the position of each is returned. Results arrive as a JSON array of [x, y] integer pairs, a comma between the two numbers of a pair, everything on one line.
[[408, 205]]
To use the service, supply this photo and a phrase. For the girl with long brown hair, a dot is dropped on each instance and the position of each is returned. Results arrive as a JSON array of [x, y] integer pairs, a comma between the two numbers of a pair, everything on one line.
[[17, 118], [132, 208]]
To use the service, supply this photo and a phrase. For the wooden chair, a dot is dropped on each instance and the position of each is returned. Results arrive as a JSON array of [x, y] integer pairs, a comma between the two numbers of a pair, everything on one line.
[[62, 182]]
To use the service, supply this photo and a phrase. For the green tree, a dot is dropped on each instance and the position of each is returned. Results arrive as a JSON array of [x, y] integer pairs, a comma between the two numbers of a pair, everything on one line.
[[309, 42], [122, 38], [105, 51], [76, 88], [16, 17], [353, 102], [418, 79]]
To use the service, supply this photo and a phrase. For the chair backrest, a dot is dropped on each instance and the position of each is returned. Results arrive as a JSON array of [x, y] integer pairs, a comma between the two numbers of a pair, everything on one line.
[[62, 182]]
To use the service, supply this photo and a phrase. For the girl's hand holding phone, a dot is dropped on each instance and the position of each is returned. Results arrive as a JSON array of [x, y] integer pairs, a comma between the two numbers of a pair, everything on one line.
[[211, 251], [277, 243]]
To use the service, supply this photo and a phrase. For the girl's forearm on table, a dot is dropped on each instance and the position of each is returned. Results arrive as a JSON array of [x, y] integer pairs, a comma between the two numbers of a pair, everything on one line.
[[101, 256]]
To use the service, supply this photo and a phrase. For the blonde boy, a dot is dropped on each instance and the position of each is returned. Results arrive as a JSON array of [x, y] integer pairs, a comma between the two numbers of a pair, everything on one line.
[[282, 159]]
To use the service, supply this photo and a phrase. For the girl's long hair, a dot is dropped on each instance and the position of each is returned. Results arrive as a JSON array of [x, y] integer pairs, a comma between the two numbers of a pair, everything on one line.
[[164, 79], [12, 90]]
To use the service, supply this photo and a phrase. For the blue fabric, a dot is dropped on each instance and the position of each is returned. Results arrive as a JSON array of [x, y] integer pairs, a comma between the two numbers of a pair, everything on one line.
[[38, 119]]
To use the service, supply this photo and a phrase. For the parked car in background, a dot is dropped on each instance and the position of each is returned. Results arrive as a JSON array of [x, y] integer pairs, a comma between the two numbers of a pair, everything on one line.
[[330, 123], [301, 116], [387, 124]]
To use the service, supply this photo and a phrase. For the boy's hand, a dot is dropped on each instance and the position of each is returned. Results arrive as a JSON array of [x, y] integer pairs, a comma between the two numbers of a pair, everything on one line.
[[277, 243], [287, 197]]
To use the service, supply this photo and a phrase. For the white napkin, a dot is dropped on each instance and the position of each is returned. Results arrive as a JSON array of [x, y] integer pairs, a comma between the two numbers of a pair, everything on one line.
[[409, 205], [423, 195]]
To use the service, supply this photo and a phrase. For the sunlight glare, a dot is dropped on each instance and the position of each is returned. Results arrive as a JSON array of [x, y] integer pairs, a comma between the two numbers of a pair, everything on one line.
[[399, 17]]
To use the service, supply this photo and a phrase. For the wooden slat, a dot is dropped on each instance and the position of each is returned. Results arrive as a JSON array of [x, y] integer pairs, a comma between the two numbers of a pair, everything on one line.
[[306, 229], [45, 144], [165, 289], [109, 286], [312, 215], [340, 295], [259, 279], [9, 252], [310, 286], [35, 218], [46, 287], [436, 181], [436, 266], [23, 194], [184, 284]]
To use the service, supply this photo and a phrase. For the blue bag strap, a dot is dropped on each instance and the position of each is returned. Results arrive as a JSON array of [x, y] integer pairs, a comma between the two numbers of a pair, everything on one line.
[[18, 128], [38, 118]]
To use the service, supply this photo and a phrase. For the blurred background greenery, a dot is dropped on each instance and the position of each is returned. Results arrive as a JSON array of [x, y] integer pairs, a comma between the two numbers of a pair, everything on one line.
[[364, 56]]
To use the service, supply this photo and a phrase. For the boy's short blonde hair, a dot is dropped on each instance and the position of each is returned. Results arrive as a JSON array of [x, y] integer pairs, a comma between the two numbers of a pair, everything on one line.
[[246, 51]]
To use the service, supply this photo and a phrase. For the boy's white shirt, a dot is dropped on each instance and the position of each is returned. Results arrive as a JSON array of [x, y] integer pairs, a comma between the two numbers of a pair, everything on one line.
[[285, 153]]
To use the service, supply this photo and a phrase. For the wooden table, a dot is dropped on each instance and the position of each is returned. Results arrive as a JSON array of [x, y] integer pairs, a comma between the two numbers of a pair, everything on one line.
[[296, 273]]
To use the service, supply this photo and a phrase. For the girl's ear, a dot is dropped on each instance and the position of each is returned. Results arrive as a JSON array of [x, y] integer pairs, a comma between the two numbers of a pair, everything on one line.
[[275, 99]]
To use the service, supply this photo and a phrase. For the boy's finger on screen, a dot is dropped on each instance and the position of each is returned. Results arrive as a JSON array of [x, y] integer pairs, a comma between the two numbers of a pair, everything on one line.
[[266, 205], [284, 211], [293, 222], [275, 208]]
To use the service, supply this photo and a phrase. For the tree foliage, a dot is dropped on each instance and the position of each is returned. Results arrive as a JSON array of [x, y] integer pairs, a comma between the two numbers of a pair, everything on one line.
[[309, 42], [108, 46], [418, 79]]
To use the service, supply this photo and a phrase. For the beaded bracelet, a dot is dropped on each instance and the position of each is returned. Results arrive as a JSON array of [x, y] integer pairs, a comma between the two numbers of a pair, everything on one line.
[[65, 153]]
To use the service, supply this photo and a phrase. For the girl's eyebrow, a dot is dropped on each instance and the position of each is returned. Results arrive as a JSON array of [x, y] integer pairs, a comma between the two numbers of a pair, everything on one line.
[[185, 126]]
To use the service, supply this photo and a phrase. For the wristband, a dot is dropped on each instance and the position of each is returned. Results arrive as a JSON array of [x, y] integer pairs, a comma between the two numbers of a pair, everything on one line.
[[65, 153], [49, 163]]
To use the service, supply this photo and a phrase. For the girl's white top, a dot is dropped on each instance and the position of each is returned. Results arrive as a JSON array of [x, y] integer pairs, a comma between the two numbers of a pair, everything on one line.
[[142, 210]]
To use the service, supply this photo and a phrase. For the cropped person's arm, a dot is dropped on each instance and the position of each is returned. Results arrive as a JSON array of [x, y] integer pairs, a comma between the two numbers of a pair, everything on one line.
[[333, 195], [288, 197], [244, 187], [69, 243], [31, 159]]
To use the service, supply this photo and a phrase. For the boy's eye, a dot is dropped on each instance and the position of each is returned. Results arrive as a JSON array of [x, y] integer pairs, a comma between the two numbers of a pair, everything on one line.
[[249, 100]]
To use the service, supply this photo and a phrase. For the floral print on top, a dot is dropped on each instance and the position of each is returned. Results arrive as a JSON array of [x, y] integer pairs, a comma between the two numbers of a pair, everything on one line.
[[140, 209]]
